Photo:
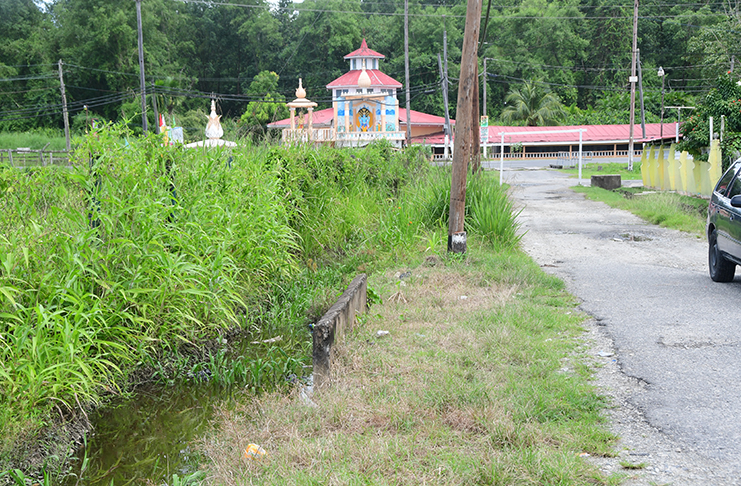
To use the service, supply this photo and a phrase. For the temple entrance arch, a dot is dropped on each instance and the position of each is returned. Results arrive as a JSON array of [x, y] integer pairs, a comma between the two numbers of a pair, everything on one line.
[[364, 119]]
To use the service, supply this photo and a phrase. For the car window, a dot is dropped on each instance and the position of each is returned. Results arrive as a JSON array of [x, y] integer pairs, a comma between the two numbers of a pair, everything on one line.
[[735, 189], [726, 179]]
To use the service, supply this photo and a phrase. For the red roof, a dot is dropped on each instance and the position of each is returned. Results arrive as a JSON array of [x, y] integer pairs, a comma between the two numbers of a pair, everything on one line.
[[422, 119], [364, 52], [594, 134], [319, 118], [377, 79], [324, 118]]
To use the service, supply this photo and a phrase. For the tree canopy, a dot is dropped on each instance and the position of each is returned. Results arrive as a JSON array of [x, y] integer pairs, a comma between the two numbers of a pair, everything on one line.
[[533, 105], [579, 49]]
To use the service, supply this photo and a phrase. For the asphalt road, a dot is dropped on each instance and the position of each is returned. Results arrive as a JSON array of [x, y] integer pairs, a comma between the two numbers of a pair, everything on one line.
[[675, 334]]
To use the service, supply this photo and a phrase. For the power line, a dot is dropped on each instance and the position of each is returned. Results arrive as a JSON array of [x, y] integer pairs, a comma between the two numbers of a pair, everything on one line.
[[27, 78], [437, 15]]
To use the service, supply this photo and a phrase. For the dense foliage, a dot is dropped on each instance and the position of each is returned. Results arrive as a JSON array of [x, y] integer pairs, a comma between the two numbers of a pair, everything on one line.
[[580, 49], [142, 254], [723, 104]]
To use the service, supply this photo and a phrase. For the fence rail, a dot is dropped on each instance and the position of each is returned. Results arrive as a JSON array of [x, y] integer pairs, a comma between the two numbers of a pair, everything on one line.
[[572, 157], [23, 157]]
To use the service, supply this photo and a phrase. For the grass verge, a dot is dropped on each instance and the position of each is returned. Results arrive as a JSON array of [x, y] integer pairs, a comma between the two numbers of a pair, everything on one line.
[[667, 209], [596, 168], [36, 140], [479, 381]]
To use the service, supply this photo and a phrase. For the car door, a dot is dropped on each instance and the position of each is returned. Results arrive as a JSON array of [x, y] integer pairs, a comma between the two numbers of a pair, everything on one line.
[[728, 222]]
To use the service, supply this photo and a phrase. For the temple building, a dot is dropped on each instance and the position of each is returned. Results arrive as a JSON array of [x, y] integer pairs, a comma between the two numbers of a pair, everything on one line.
[[365, 108]]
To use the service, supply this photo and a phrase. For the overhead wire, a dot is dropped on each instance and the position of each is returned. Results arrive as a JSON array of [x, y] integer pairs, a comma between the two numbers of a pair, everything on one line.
[[437, 15]]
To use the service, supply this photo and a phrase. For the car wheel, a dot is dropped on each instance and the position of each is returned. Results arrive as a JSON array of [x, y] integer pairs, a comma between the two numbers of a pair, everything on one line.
[[721, 270]]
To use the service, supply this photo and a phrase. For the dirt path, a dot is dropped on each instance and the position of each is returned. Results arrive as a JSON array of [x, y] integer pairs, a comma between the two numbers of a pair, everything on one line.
[[663, 334]]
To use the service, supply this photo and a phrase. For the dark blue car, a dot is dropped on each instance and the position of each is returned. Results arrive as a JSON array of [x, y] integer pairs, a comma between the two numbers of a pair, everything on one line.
[[724, 226]]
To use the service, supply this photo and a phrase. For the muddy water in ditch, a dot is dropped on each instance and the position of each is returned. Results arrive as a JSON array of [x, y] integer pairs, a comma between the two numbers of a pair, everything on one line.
[[147, 438]]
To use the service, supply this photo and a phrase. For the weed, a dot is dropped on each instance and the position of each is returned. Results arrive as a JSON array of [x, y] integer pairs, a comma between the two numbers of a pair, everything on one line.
[[113, 271], [470, 392], [671, 210]]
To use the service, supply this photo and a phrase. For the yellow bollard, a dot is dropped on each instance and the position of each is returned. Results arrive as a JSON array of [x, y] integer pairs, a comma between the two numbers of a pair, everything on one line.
[[703, 169], [686, 169], [653, 171], [645, 170], [662, 174], [716, 167], [674, 177]]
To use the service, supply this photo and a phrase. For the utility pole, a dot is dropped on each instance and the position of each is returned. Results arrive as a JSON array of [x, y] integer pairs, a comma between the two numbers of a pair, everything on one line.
[[448, 130], [406, 69], [476, 128], [156, 111], [486, 114], [633, 80], [64, 107], [661, 74], [444, 84], [640, 90], [465, 121], [141, 65], [485, 80]]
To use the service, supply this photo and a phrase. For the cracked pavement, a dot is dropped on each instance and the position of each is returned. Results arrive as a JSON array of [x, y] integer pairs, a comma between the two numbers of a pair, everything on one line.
[[666, 338]]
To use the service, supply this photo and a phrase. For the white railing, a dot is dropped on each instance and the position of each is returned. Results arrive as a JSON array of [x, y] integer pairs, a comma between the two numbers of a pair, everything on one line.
[[302, 135], [325, 135], [369, 136], [573, 156]]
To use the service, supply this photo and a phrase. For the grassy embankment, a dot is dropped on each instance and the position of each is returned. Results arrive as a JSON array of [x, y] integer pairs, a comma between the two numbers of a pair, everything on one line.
[[143, 265], [667, 209], [51, 139], [598, 168], [481, 380]]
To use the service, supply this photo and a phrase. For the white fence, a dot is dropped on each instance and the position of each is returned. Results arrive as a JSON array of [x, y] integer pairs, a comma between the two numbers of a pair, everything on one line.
[[329, 135], [26, 157], [560, 156]]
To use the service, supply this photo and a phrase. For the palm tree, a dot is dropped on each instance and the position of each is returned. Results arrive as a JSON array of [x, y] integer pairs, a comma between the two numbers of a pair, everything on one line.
[[534, 104]]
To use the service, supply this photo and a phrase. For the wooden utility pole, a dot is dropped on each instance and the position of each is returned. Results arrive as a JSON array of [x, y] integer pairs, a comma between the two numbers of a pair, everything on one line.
[[633, 80], [141, 65], [640, 91], [406, 69], [64, 107], [156, 111], [465, 121], [476, 127], [448, 130], [444, 85]]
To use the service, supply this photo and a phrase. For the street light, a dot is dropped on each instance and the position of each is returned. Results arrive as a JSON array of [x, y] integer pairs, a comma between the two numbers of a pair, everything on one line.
[[661, 75]]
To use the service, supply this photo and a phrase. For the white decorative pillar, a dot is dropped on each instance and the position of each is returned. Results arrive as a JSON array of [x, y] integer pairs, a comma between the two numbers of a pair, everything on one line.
[[301, 102], [311, 123]]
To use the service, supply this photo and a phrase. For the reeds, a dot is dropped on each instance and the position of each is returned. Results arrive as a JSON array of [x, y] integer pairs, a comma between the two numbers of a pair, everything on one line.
[[140, 251]]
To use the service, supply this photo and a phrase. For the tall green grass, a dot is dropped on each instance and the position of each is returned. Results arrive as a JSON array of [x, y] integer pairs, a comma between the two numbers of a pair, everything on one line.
[[489, 215], [667, 209], [38, 139], [142, 252]]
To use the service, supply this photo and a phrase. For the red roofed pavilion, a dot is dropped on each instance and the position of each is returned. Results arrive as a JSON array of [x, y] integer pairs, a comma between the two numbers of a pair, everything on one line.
[[365, 108]]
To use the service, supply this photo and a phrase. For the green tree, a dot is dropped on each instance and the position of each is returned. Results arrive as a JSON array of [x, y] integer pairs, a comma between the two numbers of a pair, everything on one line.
[[533, 105], [269, 107], [27, 64], [536, 39], [723, 100]]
